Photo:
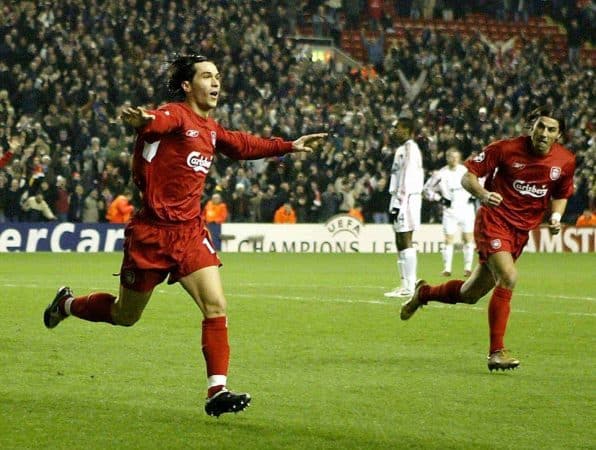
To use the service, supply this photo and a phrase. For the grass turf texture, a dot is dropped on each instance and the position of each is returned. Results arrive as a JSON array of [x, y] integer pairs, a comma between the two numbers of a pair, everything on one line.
[[324, 354]]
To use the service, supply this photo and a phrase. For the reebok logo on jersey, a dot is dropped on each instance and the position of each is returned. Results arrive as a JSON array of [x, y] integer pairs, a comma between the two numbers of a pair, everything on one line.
[[198, 162], [192, 133], [518, 166], [529, 189]]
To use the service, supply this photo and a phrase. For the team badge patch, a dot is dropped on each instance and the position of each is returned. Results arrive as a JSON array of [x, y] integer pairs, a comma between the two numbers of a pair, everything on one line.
[[128, 277], [213, 138], [495, 243], [479, 157], [555, 173]]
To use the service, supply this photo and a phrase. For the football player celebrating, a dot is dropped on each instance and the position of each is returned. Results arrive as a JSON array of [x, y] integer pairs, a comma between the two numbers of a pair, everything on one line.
[[525, 176], [175, 147]]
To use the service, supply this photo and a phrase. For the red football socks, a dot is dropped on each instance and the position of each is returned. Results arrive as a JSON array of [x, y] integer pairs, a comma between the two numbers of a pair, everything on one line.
[[95, 307], [216, 349], [498, 315], [445, 293]]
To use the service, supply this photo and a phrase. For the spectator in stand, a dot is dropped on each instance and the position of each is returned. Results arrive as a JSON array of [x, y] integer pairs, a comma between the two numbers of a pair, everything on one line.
[[302, 204], [378, 203], [375, 49], [61, 204], [92, 206], [346, 193], [285, 214], [268, 204], [76, 204], [277, 85], [12, 207], [121, 209], [330, 201], [356, 212], [587, 219], [14, 148], [36, 209], [4, 186], [216, 213], [240, 207]]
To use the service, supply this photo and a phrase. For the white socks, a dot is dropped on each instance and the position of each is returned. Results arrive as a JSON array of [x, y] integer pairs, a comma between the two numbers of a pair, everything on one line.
[[407, 261], [67, 304], [447, 257], [468, 256], [401, 268]]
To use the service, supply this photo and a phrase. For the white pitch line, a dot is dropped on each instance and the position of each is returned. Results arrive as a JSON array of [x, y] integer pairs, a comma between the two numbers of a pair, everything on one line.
[[233, 294], [384, 289]]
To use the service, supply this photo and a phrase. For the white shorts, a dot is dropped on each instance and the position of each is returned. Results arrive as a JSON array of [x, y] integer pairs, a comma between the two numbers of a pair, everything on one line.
[[408, 218], [460, 219]]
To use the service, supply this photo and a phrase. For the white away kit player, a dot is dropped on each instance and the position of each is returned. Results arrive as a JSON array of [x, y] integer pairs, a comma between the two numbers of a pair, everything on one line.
[[405, 187]]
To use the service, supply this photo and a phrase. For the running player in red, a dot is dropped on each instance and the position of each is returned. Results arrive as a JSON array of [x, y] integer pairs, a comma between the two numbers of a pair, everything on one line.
[[175, 147], [525, 177]]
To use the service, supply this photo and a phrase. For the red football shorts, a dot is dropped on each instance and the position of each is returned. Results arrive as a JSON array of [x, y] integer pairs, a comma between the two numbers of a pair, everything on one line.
[[152, 251], [492, 235]]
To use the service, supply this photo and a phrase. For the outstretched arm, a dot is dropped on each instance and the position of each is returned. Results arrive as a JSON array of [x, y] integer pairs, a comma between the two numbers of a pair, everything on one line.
[[136, 117]]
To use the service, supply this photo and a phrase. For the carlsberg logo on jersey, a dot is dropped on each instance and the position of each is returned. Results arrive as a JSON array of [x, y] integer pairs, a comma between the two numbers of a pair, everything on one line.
[[529, 189], [198, 162]]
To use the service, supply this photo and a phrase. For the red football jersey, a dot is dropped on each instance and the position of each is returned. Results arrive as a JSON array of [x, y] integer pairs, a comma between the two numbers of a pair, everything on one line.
[[526, 181], [173, 154]]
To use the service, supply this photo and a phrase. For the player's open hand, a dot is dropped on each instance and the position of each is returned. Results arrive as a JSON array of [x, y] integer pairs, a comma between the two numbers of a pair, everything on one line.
[[136, 117], [491, 199], [301, 144]]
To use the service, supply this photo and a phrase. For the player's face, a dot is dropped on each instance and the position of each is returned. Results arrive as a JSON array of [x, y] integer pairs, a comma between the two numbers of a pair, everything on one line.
[[203, 90], [453, 158], [402, 132], [544, 134]]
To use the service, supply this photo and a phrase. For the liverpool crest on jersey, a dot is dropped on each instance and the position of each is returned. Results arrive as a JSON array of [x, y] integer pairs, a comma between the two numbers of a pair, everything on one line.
[[213, 138], [555, 173]]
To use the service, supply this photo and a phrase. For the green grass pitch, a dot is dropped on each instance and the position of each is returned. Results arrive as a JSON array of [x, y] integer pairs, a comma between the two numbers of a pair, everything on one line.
[[323, 353]]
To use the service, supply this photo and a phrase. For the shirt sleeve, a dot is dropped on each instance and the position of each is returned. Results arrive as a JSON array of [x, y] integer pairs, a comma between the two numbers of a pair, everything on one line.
[[565, 188], [431, 187], [486, 161], [241, 145], [166, 121], [412, 165]]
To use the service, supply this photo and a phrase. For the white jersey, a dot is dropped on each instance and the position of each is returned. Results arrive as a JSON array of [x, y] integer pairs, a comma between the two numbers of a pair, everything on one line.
[[445, 184], [407, 174]]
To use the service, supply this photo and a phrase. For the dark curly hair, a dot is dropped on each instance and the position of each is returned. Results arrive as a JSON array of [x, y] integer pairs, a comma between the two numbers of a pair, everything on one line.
[[547, 111], [182, 69]]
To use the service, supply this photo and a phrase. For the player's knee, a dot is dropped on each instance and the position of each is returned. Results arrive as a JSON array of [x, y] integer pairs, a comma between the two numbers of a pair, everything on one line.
[[215, 310], [471, 298], [126, 319], [507, 279]]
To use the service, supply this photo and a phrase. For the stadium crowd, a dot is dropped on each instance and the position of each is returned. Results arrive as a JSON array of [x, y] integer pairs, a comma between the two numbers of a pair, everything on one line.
[[67, 68]]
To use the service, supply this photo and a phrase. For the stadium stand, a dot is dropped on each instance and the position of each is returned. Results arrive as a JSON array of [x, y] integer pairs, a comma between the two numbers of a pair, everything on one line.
[[67, 68]]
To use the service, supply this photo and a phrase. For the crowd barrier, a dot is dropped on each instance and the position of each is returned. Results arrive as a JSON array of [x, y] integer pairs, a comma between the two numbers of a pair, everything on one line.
[[341, 234]]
